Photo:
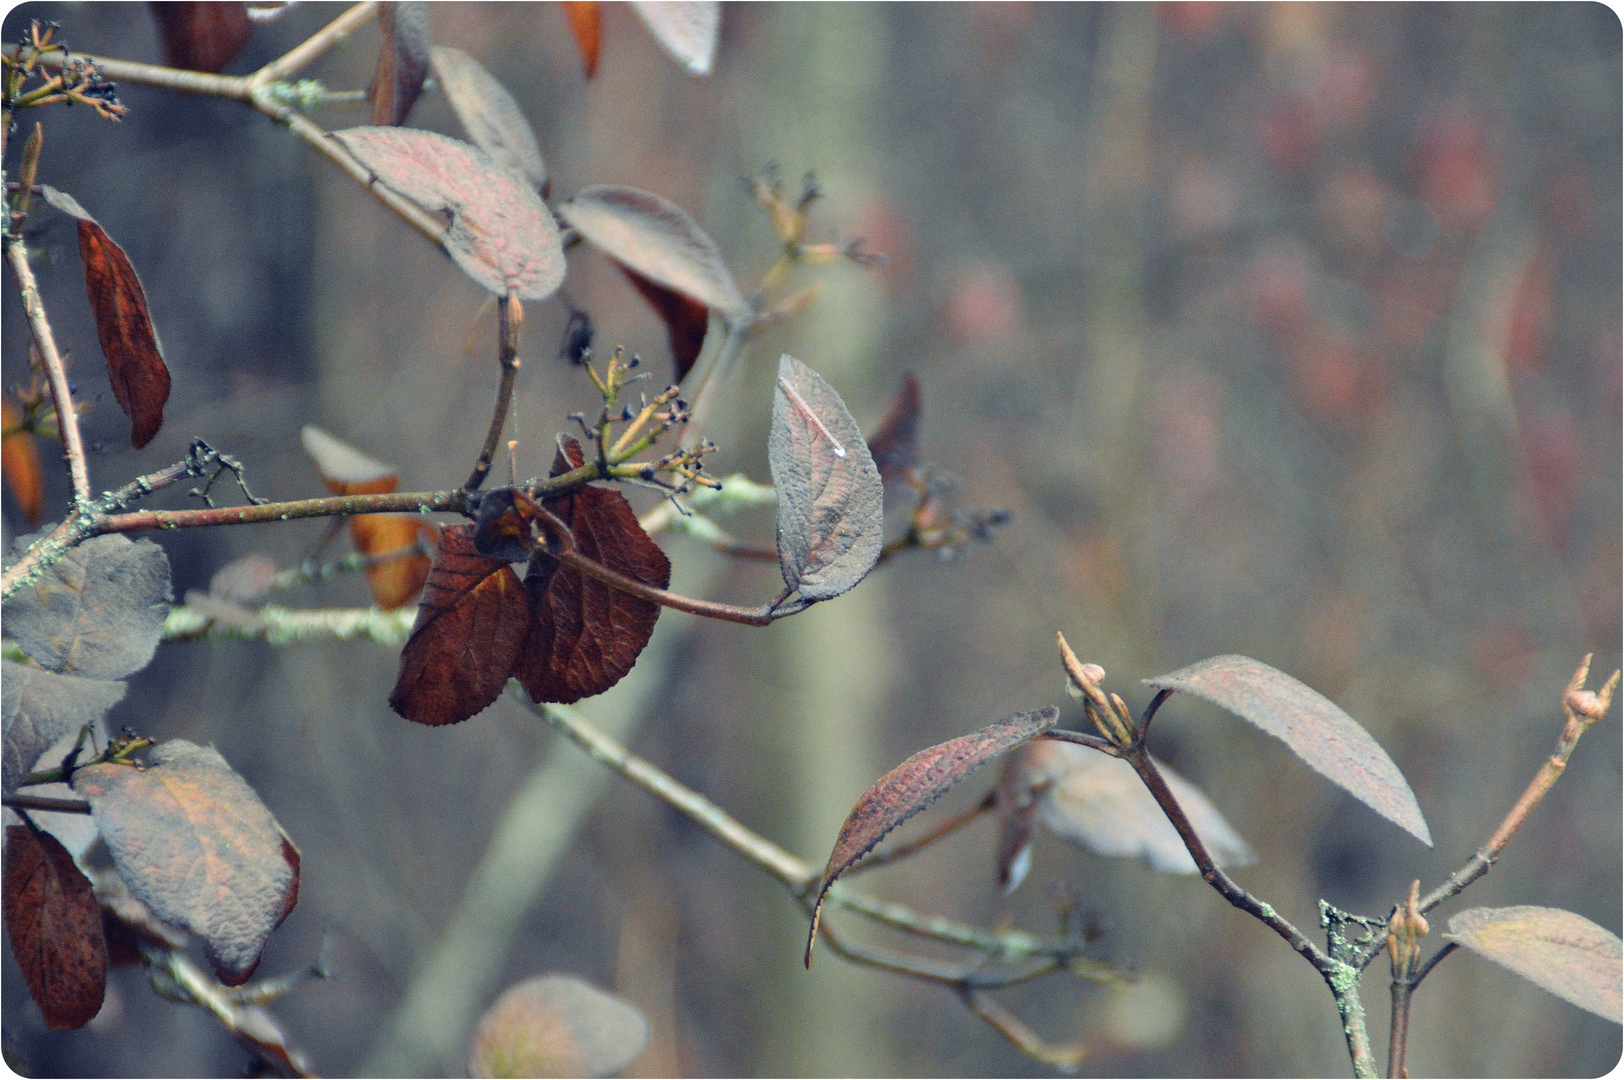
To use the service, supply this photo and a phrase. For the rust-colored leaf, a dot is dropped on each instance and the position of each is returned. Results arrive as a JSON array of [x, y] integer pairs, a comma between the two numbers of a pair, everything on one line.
[[914, 785], [1556, 950], [556, 1025], [490, 116], [584, 636], [195, 844], [135, 361], [202, 36], [685, 29], [586, 26], [55, 928], [501, 234], [394, 582], [895, 442], [1315, 728], [504, 527], [403, 61], [471, 624], [19, 463], [1099, 803], [685, 320], [344, 469]]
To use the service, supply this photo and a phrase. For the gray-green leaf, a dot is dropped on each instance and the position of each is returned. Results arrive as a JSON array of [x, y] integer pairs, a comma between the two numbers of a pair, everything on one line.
[[40, 707]]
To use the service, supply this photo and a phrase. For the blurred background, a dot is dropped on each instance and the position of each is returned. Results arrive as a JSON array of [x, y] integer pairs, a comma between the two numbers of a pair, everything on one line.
[[1286, 330]]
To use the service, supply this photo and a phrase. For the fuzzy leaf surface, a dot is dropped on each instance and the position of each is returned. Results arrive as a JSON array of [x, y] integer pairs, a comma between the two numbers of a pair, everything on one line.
[[914, 785], [895, 442], [135, 361], [685, 29], [471, 623], [1099, 803], [202, 36], [403, 61], [830, 498], [501, 234], [658, 240], [195, 844], [1316, 729], [557, 1025], [686, 320], [584, 635], [488, 113], [98, 612], [41, 707], [55, 928], [586, 27], [1555, 950], [344, 469]]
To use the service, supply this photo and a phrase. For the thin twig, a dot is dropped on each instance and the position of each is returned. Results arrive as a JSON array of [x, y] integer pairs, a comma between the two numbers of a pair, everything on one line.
[[451, 502], [920, 843], [67, 418], [43, 802], [510, 316], [307, 51]]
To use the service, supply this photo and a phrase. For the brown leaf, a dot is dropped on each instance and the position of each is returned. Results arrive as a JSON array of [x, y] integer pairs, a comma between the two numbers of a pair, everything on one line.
[[195, 844], [344, 469], [584, 636], [685, 29], [55, 928], [490, 116], [895, 442], [501, 234], [203, 36], [1556, 950], [471, 624], [685, 320], [135, 362], [586, 26], [1099, 803], [394, 582], [403, 62], [914, 785], [19, 463], [1312, 725], [557, 1025], [504, 527]]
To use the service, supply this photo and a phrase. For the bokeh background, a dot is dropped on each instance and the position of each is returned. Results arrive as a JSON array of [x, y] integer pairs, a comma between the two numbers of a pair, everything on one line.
[[1286, 330]]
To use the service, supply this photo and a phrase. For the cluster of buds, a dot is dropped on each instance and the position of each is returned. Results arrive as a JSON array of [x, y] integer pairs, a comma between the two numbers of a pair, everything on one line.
[[75, 82], [1108, 713], [641, 428], [937, 525], [789, 218], [1405, 929], [1583, 708]]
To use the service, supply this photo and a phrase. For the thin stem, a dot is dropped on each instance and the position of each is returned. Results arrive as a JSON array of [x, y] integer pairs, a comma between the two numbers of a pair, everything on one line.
[[307, 51], [510, 320], [253, 1028], [920, 843], [67, 418], [230, 87], [1064, 1058], [43, 802], [451, 502]]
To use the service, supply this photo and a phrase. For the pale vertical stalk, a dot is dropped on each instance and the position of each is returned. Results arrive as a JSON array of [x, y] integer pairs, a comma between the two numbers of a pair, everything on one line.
[[67, 419]]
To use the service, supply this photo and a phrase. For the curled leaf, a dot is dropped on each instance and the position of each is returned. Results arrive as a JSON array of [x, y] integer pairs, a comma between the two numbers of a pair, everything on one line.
[[195, 844], [19, 463], [586, 26], [41, 708], [344, 469], [557, 1025], [135, 361], [488, 113], [397, 580], [830, 498], [202, 36], [55, 928], [686, 321], [403, 61], [501, 234], [1313, 726], [895, 442], [914, 785], [1098, 802], [1556, 950], [471, 623], [685, 29]]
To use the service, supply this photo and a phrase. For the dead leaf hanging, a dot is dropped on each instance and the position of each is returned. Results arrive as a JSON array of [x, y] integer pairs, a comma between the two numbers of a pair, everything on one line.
[[490, 116], [202, 36], [55, 928], [895, 442], [403, 61], [686, 320], [586, 26], [19, 463]]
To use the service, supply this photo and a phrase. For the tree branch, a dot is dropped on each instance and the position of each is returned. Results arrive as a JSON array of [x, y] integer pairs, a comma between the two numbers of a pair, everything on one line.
[[67, 418]]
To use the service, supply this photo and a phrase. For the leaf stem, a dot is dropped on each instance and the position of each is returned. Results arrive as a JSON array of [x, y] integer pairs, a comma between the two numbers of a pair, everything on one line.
[[307, 51], [67, 417], [44, 802], [510, 322]]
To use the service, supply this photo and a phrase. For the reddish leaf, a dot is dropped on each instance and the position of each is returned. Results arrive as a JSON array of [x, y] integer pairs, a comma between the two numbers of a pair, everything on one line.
[[830, 499], [685, 320], [685, 29], [55, 928], [202, 37], [195, 844], [586, 25], [470, 626], [135, 362], [658, 240], [394, 582], [1556, 950], [556, 1025], [504, 529], [501, 233], [19, 462], [584, 636], [403, 62], [1312, 725], [290, 855], [344, 469], [895, 442], [490, 116], [914, 785]]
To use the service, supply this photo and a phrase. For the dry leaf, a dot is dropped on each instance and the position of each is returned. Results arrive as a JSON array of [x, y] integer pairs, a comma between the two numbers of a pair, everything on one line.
[[403, 62], [586, 26], [202, 36], [1556, 950], [344, 469], [490, 116], [556, 1025], [55, 927], [685, 29], [135, 362], [394, 582], [1313, 726], [19, 463], [686, 321], [895, 442]]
